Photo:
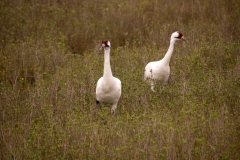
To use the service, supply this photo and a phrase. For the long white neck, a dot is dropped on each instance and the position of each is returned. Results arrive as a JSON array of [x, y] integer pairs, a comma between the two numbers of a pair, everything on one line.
[[107, 73], [168, 55]]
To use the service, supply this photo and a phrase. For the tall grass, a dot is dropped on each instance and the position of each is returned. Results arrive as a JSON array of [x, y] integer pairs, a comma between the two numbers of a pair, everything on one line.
[[49, 66]]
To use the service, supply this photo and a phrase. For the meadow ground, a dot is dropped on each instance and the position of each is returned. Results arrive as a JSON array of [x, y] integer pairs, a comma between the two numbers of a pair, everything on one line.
[[49, 66]]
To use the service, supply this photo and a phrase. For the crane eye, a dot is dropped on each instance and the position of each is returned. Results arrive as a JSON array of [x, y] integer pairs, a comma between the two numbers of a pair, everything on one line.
[[179, 35], [105, 42]]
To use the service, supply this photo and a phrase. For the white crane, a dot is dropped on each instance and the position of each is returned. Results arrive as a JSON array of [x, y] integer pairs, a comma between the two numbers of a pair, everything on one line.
[[108, 88], [160, 70]]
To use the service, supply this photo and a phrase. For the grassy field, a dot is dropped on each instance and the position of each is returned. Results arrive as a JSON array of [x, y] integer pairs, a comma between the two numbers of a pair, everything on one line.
[[49, 66]]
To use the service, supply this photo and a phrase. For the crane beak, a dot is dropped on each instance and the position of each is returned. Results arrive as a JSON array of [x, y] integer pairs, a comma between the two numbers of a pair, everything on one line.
[[100, 49], [102, 46], [183, 38]]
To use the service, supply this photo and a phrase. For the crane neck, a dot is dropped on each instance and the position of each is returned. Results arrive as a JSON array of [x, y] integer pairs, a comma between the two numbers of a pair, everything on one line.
[[168, 55], [107, 73]]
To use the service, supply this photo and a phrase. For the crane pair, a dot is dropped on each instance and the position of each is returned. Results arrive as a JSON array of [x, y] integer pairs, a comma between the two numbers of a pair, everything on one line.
[[108, 88]]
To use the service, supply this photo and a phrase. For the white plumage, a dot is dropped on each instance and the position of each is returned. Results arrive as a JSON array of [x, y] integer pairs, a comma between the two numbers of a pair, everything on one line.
[[160, 70], [108, 88]]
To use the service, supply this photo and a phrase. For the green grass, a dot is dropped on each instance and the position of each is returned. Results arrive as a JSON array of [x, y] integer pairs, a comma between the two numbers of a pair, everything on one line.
[[49, 66]]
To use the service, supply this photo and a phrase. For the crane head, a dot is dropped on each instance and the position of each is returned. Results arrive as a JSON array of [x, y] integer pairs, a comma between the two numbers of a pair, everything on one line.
[[105, 44], [178, 36]]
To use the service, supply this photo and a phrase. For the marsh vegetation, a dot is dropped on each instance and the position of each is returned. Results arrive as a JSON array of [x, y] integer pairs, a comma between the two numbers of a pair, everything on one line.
[[49, 66]]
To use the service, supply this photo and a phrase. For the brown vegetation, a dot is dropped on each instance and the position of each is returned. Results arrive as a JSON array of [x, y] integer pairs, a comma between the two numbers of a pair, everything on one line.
[[49, 67]]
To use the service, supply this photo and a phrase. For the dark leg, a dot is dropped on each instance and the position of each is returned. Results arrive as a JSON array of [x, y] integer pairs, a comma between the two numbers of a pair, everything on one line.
[[98, 104]]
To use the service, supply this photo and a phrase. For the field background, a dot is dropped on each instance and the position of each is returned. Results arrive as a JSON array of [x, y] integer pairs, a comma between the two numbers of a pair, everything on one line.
[[49, 66]]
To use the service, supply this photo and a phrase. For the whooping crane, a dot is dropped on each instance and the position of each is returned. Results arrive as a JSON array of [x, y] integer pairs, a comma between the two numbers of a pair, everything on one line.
[[160, 70], [108, 88]]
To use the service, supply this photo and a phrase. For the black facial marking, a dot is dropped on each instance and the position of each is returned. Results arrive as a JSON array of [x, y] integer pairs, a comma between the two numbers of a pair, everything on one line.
[[105, 42], [180, 35]]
